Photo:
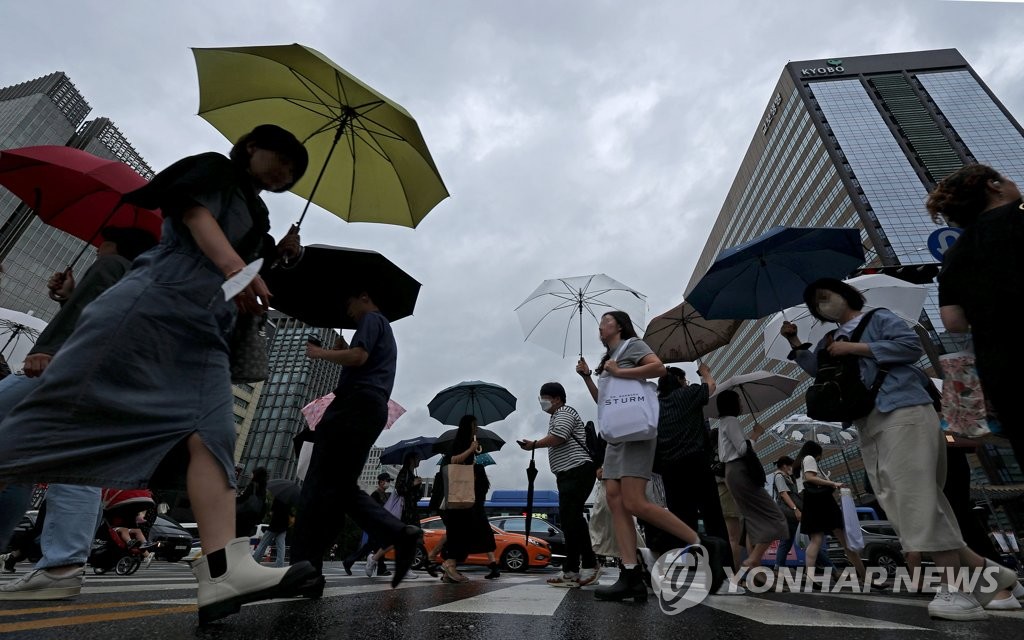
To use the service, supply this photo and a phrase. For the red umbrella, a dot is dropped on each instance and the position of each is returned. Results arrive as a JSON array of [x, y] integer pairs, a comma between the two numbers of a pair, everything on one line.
[[75, 191]]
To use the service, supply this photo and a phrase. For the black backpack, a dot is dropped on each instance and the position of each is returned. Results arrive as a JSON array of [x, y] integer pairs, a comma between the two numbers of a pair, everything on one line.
[[594, 445], [838, 394]]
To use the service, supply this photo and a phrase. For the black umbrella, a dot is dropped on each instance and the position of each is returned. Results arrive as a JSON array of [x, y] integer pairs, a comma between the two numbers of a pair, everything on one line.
[[487, 439], [315, 289], [287, 491], [531, 475]]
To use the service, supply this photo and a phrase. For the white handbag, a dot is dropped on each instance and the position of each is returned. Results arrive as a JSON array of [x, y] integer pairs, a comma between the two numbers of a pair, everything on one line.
[[627, 409]]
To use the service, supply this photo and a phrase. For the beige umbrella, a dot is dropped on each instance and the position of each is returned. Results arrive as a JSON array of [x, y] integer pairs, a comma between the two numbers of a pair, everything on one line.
[[681, 334]]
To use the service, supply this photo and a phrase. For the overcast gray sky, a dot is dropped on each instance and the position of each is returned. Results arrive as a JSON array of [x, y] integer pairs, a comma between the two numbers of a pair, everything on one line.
[[575, 137]]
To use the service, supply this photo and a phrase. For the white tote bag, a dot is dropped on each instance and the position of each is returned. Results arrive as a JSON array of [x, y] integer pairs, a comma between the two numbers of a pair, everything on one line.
[[627, 409], [602, 530], [854, 534]]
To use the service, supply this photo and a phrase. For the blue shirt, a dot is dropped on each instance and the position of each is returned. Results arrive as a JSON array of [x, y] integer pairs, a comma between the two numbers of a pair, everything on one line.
[[894, 345], [374, 336]]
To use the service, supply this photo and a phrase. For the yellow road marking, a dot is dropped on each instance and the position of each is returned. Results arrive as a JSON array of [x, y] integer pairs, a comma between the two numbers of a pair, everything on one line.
[[30, 625], [65, 607]]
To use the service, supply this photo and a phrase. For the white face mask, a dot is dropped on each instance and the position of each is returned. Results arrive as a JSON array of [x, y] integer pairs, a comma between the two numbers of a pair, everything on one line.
[[833, 307], [545, 404]]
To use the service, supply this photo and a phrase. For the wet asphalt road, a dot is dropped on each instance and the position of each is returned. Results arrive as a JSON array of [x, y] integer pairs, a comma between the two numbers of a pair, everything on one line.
[[159, 603]]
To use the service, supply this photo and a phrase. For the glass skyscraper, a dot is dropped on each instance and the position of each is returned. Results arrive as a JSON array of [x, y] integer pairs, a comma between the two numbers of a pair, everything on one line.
[[858, 143], [294, 382], [47, 111]]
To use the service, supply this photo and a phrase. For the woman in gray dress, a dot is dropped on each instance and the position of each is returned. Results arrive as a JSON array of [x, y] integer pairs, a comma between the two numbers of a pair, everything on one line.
[[627, 465], [142, 389]]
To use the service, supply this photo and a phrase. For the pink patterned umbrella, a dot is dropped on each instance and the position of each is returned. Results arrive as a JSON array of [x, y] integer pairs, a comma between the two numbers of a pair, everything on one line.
[[314, 411]]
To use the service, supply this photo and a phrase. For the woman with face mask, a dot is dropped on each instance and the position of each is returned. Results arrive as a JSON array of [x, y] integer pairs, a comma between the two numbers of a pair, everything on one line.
[[902, 444]]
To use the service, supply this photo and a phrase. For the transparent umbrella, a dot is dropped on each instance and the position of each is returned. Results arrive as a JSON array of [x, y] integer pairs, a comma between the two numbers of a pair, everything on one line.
[[554, 314], [799, 428]]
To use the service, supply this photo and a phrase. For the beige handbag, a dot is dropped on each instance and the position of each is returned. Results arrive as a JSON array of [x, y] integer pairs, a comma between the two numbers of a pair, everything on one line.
[[459, 486]]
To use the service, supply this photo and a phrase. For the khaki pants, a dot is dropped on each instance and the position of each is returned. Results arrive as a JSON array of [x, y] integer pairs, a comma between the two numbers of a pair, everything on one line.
[[905, 457]]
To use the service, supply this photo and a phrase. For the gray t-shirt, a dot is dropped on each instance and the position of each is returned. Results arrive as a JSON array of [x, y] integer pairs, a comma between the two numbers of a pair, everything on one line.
[[631, 355]]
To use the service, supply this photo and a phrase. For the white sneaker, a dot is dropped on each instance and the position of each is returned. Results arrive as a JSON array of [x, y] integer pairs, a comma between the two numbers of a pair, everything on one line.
[[148, 560], [43, 585], [566, 581], [954, 605], [1005, 579], [730, 588], [4, 560], [245, 581], [411, 575], [1018, 591], [1008, 603], [371, 566], [589, 576]]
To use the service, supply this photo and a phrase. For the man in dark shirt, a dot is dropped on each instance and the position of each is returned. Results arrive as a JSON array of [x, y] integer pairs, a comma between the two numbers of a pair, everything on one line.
[[344, 436], [683, 456], [73, 509]]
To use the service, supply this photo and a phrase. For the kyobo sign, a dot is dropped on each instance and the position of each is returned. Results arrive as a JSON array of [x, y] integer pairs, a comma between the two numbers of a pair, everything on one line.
[[831, 67], [772, 110]]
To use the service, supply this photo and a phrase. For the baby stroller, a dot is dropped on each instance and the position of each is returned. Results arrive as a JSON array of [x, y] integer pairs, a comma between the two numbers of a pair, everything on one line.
[[121, 512]]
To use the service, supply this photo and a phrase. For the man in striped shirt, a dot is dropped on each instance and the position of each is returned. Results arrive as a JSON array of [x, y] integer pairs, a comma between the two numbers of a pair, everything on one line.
[[575, 473]]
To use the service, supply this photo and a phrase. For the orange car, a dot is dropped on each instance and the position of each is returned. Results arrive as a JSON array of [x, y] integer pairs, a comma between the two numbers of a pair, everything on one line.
[[510, 551]]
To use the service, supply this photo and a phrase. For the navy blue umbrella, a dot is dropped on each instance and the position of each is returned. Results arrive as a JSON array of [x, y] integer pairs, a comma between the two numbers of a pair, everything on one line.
[[487, 402], [395, 454], [770, 272]]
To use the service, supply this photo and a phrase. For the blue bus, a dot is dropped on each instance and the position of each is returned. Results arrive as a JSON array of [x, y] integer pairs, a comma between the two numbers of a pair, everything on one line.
[[505, 502]]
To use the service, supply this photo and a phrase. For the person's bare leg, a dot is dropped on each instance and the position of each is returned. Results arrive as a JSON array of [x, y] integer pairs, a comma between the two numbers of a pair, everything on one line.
[[756, 553], [213, 499], [735, 526], [622, 522], [852, 556], [811, 554], [634, 499]]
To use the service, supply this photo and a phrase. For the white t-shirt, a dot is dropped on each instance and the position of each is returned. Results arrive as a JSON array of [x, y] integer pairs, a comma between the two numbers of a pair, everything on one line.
[[808, 464]]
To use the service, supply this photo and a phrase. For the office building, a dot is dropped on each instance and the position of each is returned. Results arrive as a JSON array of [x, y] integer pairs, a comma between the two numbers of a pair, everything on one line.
[[858, 143], [48, 111], [294, 382]]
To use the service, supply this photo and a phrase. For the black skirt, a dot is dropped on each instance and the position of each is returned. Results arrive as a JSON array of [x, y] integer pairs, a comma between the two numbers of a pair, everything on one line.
[[468, 531], [820, 514]]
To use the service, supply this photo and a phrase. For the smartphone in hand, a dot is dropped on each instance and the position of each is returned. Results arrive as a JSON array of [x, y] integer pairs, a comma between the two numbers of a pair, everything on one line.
[[314, 340]]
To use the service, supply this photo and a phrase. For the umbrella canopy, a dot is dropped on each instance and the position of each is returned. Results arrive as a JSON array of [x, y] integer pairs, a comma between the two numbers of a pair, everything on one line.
[[75, 191], [681, 334], [487, 439], [314, 411], [287, 491], [758, 391], [369, 148], [799, 428], [482, 459], [553, 315], [314, 289], [18, 333], [880, 291], [488, 402], [395, 454], [770, 272]]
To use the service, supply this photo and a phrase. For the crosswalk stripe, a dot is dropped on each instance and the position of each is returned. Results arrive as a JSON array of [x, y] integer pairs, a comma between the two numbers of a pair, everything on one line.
[[917, 602], [526, 599], [792, 615]]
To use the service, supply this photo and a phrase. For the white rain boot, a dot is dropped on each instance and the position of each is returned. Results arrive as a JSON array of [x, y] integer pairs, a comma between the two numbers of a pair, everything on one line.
[[245, 581]]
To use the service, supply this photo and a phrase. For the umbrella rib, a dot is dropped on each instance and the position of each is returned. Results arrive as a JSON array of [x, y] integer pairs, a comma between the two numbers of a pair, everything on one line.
[[299, 103], [544, 317]]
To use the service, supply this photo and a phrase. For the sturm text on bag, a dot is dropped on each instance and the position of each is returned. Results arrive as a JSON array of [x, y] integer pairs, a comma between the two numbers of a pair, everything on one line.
[[626, 399]]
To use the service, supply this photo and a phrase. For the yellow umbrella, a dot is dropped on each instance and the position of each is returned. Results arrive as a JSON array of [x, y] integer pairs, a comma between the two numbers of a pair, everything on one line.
[[369, 149]]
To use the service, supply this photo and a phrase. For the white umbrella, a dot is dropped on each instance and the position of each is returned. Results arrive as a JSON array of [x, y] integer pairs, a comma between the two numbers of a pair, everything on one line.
[[799, 428], [880, 291], [553, 316], [758, 391], [18, 333]]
